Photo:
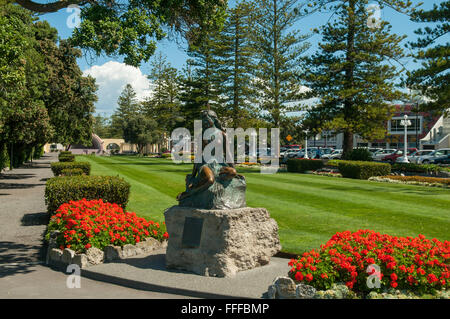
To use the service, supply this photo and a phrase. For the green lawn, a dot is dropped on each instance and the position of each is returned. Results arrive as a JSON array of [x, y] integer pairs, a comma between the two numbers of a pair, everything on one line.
[[309, 209]]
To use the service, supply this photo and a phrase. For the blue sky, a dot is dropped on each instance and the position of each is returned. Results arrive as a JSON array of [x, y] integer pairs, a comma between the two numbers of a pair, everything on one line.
[[112, 75]]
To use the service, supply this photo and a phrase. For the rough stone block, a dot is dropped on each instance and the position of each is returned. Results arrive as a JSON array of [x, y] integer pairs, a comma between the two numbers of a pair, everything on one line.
[[81, 260], [95, 256], [67, 256], [113, 253], [231, 240], [55, 255]]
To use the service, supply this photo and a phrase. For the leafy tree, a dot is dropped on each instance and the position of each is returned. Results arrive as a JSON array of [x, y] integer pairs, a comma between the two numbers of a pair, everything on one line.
[[279, 49], [141, 130], [131, 28], [350, 73], [102, 127], [432, 78], [69, 96]]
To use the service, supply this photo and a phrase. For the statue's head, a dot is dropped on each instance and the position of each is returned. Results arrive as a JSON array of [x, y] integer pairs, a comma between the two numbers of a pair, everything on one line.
[[210, 119]]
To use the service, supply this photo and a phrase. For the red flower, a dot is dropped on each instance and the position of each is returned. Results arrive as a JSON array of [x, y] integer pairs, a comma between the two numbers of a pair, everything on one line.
[[299, 276], [309, 277]]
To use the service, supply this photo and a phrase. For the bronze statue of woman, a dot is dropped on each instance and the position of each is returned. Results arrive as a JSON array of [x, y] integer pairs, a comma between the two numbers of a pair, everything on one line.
[[214, 184]]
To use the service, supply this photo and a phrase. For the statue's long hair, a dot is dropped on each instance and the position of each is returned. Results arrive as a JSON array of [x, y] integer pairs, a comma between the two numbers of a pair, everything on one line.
[[212, 118]]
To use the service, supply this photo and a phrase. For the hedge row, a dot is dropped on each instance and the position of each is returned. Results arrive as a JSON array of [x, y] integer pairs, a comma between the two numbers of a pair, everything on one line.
[[416, 168], [60, 190], [363, 170], [58, 167], [72, 172], [297, 165], [66, 157]]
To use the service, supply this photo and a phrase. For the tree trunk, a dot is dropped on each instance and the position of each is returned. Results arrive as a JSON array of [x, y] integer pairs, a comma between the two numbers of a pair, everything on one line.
[[347, 145]]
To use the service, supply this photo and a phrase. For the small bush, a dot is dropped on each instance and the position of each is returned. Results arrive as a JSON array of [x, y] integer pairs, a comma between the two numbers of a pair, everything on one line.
[[166, 155], [65, 152], [72, 172], [84, 224], [57, 167], [60, 190], [66, 158], [416, 168], [363, 170], [358, 154], [298, 165]]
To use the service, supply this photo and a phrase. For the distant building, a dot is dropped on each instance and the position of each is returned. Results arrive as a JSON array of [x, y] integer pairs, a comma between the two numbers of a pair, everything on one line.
[[427, 131]]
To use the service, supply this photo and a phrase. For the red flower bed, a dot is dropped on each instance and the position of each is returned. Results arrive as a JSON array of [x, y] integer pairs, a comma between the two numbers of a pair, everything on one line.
[[416, 264], [83, 224]]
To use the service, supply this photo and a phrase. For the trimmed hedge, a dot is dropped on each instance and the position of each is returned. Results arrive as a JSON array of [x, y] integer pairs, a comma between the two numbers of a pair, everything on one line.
[[60, 190], [66, 158], [72, 172], [416, 168], [58, 167], [298, 165], [363, 170]]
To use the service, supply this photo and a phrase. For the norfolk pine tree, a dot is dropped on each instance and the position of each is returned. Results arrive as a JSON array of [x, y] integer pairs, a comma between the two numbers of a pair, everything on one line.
[[350, 73]]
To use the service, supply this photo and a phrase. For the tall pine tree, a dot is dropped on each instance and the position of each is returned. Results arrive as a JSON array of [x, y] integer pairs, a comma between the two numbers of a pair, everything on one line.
[[128, 106], [350, 74], [433, 77], [236, 53], [279, 48]]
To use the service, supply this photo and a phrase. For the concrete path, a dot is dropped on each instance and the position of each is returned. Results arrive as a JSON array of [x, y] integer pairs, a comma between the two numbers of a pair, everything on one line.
[[23, 221]]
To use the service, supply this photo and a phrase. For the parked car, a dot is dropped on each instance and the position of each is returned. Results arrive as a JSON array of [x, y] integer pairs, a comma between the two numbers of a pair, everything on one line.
[[336, 154], [414, 156], [441, 160], [426, 159], [377, 156], [325, 151], [373, 150], [392, 158], [291, 153]]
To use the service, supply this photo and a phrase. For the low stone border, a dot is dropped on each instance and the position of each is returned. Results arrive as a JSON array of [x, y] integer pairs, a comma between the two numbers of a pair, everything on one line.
[[286, 288], [395, 181], [95, 256]]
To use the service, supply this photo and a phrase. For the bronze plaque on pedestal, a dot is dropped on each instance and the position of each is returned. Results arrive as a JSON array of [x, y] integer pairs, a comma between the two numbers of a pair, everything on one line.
[[192, 232]]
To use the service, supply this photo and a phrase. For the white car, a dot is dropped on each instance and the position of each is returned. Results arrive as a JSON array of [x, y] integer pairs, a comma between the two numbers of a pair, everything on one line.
[[426, 159], [333, 155], [377, 156], [415, 156]]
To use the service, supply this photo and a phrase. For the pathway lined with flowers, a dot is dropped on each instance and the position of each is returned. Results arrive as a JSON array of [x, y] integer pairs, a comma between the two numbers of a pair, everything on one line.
[[23, 221]]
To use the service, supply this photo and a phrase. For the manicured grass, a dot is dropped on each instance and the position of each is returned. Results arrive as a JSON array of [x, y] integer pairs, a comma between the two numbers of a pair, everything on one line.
[[309, 209]]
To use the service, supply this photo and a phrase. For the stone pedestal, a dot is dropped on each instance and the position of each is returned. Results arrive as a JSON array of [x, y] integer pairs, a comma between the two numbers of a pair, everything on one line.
[[220, 242]]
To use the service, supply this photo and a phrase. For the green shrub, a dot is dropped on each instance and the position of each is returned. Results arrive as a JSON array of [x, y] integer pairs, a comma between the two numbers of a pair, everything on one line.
[[60, 190], [416, 168], [358, 154], [38, 151], [298, 165], [166, 155], [72, 172], [363, 170], [57, 167], [66, 158], [333, 162], [65, 153]]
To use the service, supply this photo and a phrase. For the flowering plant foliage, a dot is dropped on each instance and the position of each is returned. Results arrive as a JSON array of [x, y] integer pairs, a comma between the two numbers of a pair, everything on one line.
[[83, 224], [416, 264]]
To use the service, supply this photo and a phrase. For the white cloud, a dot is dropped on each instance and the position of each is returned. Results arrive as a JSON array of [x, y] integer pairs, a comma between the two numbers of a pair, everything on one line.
[[111, 78]]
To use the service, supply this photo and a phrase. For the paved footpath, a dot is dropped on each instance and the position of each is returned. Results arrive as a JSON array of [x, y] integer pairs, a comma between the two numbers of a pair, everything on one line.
[[23, 221]]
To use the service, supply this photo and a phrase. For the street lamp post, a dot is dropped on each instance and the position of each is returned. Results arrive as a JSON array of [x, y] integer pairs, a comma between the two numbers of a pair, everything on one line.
[[405, 122], [306, 145]]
